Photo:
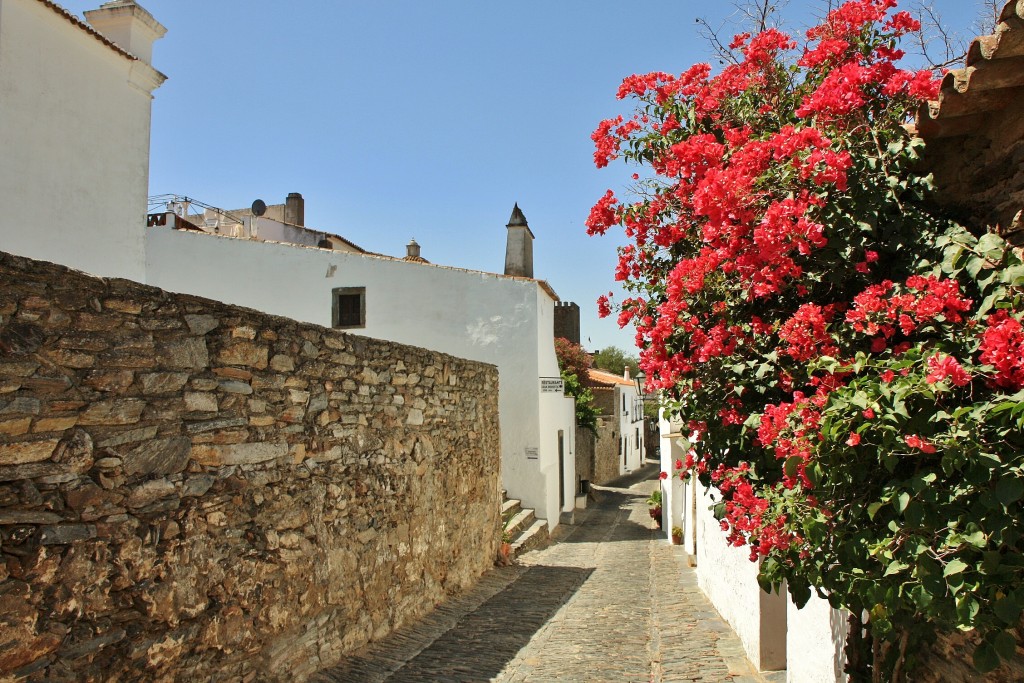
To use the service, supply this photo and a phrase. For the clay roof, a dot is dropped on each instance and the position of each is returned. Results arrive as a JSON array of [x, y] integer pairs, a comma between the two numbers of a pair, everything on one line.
[[992, 78], [598, 378], [88, 29]]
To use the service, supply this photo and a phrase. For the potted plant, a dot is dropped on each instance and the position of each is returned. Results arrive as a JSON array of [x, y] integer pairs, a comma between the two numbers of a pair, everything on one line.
[[677, 535], [505, 549], [654, 505]]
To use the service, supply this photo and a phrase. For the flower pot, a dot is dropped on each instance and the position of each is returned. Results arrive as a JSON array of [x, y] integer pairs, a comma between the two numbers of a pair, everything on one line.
[[677, 539], [504, 554]]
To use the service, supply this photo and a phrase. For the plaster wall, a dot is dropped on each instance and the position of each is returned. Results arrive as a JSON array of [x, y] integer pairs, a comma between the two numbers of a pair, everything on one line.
[[271, 230], [676, 503], [728, 577], [74, 130], [817, 636], [473, 315]]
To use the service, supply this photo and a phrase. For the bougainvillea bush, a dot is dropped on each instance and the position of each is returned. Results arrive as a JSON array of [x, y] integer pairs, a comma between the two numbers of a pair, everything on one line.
[[850, 362]]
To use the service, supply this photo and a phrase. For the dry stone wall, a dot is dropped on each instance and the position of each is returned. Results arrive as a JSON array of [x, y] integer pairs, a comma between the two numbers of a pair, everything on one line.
[[193, 491]]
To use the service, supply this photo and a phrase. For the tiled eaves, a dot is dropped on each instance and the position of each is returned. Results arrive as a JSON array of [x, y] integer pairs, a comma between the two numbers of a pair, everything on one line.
[[88, 29], [992, 78]]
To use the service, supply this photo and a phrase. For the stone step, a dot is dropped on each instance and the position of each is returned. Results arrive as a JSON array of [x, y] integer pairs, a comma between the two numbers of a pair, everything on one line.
[[518, 522], [535, 536], [509, 508]]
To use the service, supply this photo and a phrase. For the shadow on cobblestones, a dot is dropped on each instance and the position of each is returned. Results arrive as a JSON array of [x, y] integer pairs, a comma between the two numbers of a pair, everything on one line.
[[475, 648]]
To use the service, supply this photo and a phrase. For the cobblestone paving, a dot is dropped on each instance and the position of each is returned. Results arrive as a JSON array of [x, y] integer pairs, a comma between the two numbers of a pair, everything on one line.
[[585, 608]]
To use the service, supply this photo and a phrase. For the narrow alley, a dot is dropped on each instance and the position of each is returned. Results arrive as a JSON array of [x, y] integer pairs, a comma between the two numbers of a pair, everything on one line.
[[586, 608]]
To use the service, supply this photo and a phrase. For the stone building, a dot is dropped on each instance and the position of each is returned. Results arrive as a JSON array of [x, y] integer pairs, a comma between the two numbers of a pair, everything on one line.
[[620, 444]]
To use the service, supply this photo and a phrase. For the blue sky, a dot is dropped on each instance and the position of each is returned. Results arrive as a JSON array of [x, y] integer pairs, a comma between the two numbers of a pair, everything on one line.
[[422, 119]]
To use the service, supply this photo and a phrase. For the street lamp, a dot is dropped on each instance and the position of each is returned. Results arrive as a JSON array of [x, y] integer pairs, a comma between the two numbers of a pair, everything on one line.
[[640, 380]]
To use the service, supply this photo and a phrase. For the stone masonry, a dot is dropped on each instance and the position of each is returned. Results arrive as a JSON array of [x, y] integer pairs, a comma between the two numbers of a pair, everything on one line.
[[194, 491]]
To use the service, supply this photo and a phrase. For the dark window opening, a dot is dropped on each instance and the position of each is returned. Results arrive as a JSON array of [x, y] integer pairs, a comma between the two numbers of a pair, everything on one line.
[[349, 307]]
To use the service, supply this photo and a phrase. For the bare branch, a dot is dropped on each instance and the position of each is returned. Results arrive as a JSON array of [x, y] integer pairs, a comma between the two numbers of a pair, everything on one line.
[[711, 36], [988, 16], [935, 42], [751, 16]]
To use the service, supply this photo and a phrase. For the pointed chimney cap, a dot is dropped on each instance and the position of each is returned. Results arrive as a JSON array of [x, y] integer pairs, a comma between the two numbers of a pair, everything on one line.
[[517, 219]]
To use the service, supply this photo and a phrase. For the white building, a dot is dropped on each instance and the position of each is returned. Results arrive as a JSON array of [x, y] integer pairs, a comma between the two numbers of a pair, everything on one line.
[[808, 643], [505, 320], [619, 402], [75, 103]]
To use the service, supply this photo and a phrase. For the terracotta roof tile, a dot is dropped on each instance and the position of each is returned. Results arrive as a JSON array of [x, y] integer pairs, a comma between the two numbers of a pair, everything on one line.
[[992, 78], [608, 379], [88, 29]]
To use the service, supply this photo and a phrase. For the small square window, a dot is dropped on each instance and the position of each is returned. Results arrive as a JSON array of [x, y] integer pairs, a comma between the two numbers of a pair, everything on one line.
[[348, 309]]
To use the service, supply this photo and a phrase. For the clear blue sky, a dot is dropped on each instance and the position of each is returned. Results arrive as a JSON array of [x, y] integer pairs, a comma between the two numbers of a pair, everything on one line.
[[422, 119]]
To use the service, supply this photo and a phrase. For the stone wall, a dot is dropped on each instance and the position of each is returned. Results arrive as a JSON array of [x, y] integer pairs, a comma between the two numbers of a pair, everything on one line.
[[585, 443], [194, 491], [607, 453]]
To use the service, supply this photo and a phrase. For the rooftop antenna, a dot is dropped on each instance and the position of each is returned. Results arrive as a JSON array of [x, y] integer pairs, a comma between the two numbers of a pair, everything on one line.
[[259, 207]]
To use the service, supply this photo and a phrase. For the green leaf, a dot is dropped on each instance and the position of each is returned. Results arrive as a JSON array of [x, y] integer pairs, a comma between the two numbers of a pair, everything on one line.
[[1005, 645], [1008, 610], [985, 658], [955, 566], [991, 243], [895, 568], [1012, 275], [1009, 490], [902, 501], [791, 465], [873, 509]]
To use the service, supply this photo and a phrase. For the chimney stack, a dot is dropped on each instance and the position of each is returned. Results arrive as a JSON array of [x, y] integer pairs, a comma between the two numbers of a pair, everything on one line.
[[519, 249], [128, 26], [295, 209], [412, 250]]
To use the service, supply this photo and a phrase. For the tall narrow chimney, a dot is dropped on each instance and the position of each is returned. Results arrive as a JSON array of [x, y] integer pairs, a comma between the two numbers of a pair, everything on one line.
[[128, 26], [295, 209], [519, 249]]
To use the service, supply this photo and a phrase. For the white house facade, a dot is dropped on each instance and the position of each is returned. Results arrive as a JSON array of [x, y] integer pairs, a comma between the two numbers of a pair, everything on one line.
[[74, 133], [503, 320], [807, 643], [619, 401]]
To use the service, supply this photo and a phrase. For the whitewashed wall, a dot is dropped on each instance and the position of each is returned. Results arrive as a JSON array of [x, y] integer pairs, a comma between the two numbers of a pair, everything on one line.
[[676, 504], [74, 144], [807, 642], [728, 577], [469, 314], [817, 636]]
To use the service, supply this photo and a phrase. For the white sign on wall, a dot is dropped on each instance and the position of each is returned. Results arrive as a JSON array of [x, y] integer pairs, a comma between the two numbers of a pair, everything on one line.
[[550, 385], [532, 452]]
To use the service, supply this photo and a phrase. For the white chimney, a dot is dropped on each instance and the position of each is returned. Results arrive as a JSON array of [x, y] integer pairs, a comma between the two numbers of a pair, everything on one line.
[[128, 26], [519, 248]]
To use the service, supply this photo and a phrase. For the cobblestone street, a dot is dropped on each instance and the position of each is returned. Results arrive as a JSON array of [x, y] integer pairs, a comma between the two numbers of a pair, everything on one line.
[[585, 608]]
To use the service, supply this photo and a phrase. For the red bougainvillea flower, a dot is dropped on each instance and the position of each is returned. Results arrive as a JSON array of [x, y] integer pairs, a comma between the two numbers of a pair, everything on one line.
[[942, 367], [853, 440], [1002, 346], [663, 476], [920, 444]]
